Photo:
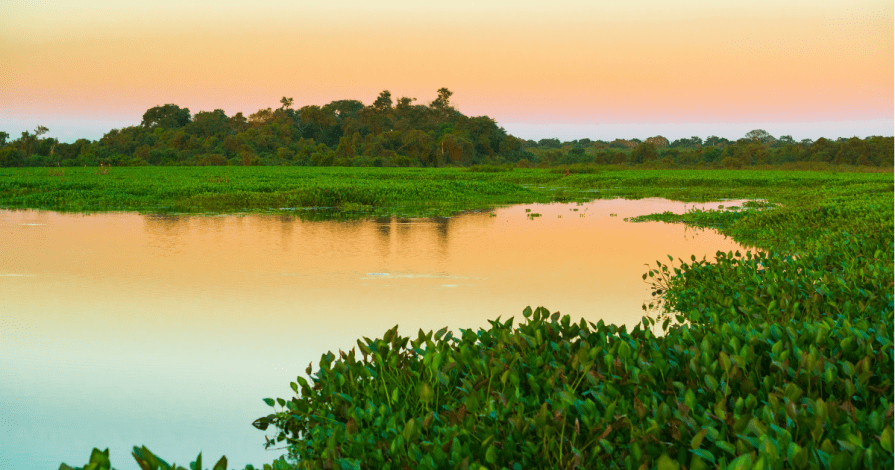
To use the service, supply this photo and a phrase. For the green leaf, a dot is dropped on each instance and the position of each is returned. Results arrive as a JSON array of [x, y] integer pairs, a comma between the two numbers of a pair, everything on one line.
[[147, 460], [606, 446], [302, 382], [364, 349], [726, 447], [704, 454], [409, 430], [221, 465], [690, 401], [426, 393], [870, 458], [350, 464], [839, 461], [711, 383], [725, 361], [491, 455], [666, 463], [269, 401], [441, 332], [885, 439], [743, 462], [100, 458], [197, 465], [696, 442], [346, 397], [792, 450], [624, 350]]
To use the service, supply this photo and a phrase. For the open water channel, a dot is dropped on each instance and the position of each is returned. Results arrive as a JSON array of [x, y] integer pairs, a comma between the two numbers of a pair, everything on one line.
[[121, 329]]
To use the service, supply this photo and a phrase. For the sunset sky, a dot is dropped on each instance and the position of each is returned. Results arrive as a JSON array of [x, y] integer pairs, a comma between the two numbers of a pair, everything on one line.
[[564, 68]]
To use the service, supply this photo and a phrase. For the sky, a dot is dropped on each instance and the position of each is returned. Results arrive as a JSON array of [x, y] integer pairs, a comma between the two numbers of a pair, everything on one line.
[[565, 68]]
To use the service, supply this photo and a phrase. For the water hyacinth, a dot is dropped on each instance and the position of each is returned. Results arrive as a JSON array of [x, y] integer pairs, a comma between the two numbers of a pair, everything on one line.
[[550, 393]]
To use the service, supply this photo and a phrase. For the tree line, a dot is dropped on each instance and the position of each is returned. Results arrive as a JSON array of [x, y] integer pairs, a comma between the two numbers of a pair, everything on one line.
[[401, 133], [756, 148]]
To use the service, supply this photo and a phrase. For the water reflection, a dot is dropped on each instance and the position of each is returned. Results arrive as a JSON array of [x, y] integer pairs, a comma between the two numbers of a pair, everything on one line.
[[194, 319]]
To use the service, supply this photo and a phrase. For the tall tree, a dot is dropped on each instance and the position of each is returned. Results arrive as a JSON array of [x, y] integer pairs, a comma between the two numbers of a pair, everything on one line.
[[786, 140], [238, 123], [659, 141], [169, 116], [383, 102], [209, 123], [261, 117], [443, 102], [760, 135], [714, 140], [644, 153], [40, 130]]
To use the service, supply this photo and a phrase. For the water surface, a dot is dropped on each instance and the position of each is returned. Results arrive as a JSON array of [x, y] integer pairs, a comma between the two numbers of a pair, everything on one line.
[[121, 329]]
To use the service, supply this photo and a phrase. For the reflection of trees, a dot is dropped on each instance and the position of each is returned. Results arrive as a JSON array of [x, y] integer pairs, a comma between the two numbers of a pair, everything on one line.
[[383, 226], [442, 226], [287, 225], [349, 231], [404, 228], [383, 233], [166, 224], [215, 224]]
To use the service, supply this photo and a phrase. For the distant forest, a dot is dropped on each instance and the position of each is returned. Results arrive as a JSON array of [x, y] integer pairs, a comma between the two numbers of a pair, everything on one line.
[[388, 134]]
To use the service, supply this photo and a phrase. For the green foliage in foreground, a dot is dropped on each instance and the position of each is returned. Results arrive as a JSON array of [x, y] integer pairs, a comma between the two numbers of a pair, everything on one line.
[[556, 394], [99, 460], [781, 358]]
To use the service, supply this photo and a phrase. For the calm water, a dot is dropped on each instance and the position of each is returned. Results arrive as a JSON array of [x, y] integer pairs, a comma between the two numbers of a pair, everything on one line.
[[167, 331]]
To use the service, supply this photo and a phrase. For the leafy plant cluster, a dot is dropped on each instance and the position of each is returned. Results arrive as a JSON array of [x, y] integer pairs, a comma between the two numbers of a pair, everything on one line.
[[99, 460], [556, 394]]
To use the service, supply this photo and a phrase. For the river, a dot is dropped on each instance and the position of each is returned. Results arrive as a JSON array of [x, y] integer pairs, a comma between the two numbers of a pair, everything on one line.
[[121, 329]]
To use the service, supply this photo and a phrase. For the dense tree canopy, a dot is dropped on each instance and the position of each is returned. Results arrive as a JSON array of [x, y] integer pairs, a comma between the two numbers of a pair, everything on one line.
[[399, 132]]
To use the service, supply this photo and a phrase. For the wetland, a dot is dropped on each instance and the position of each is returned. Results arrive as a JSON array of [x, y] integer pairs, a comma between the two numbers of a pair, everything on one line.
[[160, 322]]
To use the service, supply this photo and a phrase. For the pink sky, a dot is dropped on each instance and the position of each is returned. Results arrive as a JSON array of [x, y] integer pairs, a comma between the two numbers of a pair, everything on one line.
[[567, 68]]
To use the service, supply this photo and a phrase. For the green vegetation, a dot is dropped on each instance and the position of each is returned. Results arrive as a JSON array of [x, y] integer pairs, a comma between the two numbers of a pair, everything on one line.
[[395, 191], [348, 133], [781, 357]]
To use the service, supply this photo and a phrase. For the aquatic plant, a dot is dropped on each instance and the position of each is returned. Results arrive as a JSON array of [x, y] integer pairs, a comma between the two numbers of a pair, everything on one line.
[[804, 393], [389, 191]]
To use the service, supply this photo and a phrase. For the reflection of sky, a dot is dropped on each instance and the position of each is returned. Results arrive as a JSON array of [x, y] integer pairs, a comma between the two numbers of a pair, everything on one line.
[[121, 330]]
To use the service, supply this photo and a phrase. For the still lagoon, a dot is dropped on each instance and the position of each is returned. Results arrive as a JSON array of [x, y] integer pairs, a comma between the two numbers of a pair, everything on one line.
[[122, 329]]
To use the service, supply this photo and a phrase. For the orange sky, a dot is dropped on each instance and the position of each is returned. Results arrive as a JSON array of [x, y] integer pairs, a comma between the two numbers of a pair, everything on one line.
[[624, 68]]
